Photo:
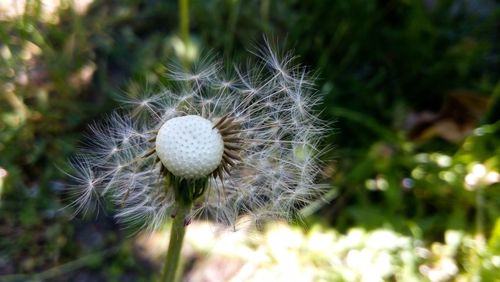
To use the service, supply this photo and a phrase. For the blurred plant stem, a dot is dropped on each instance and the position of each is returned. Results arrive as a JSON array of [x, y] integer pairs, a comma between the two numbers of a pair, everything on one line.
[[480, 248], [177, 233], [264, 13], [18, 104], [480, 205], [184, 32], [231, 26], [494, 100], [184, 20]]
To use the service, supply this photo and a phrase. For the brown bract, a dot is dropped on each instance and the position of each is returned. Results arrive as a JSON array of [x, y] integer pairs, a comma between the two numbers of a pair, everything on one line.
[[230, 130]]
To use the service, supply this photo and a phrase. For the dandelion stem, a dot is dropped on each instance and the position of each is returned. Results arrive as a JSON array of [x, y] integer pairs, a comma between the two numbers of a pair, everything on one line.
[[174, 248], [184, 20]]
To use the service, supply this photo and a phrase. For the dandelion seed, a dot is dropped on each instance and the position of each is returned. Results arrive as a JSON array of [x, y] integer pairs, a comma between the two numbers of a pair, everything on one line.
[[244, 141]]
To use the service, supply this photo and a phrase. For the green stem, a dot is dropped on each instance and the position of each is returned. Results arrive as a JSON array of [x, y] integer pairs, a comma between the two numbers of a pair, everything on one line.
[[174, 248], [480, 212], [184, 20]]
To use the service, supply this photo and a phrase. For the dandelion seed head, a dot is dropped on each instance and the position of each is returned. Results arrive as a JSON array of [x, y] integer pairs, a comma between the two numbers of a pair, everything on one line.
[[250, 133], [189, 146]]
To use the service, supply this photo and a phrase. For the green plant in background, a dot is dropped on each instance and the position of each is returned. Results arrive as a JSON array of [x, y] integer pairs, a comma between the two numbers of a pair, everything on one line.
[[41, 70]]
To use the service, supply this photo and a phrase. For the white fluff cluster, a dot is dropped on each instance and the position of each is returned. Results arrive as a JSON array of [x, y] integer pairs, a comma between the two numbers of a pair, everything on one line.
[[271, 99]]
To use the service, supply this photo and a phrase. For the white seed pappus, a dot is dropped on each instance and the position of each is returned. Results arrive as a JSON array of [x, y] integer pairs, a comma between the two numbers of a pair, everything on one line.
[[277, 147]]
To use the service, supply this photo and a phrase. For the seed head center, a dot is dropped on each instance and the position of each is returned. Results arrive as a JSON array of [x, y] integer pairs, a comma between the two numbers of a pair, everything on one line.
[[189, 146]]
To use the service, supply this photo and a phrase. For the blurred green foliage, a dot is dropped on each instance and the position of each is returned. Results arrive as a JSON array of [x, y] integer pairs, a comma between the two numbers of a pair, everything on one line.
[[411, 154]]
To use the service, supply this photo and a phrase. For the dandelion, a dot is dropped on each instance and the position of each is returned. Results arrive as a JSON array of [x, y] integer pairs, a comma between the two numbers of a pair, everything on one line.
[[216, 144]]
